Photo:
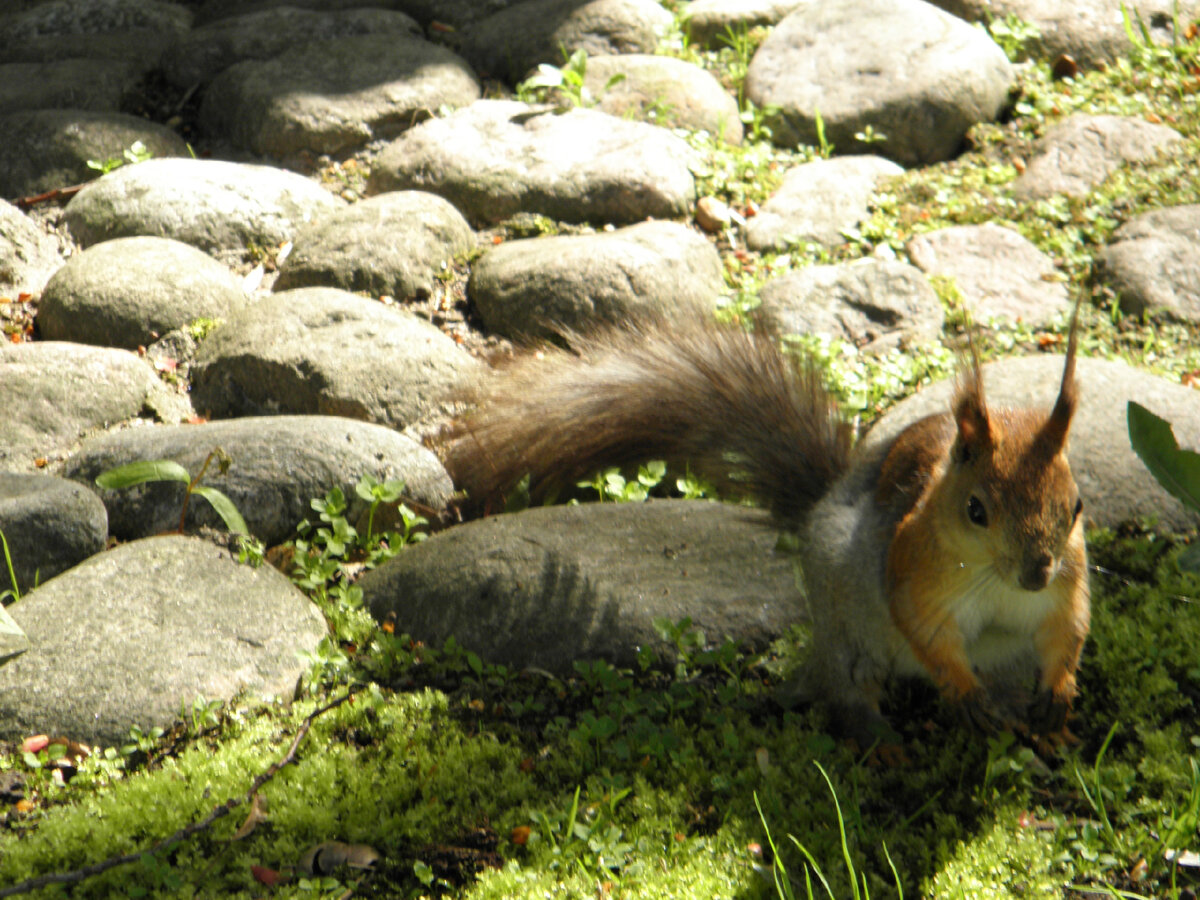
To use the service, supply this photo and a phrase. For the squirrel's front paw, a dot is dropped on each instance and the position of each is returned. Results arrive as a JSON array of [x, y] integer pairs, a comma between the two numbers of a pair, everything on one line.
[[1047, 714], [978, 710]]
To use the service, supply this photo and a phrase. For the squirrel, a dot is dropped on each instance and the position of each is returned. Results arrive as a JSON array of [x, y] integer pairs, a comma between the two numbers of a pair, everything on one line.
[[954, 551]]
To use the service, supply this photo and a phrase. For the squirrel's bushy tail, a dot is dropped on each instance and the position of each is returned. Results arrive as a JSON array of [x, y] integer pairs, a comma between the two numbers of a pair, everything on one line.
[[733, 406]]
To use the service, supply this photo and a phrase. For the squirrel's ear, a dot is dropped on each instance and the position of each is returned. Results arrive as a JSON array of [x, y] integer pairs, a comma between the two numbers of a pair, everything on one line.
[[970, 410], [1054, 432]]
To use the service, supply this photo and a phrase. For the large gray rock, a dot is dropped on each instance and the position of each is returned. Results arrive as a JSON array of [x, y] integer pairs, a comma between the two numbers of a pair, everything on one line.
[[549, 586], [917, 76], [220, 207], [50, 148], [873, 304], [280, 464], [1082, 150], [52, 394], [534, 287], [1114, 483], [511, 42], [333, 96], [714, 23], [1092, 32], [664, 91], [1152, 263], [129, 292], [203, 52], [89, 84], [50, 524], [497, 158], [131, 635], [818, 202], [321, 350], [28, 256], [395, 244], [456, 13], [999, 273]]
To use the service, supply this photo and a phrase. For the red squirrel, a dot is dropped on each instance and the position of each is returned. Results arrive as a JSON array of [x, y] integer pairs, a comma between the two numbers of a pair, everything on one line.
[[953, 551]]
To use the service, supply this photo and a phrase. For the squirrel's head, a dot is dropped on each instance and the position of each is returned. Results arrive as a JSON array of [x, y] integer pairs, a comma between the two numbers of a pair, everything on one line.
[[1009, 489]]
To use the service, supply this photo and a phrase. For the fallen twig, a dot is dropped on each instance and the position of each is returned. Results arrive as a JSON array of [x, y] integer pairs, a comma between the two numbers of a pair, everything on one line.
[[55, 194], [77, 875]]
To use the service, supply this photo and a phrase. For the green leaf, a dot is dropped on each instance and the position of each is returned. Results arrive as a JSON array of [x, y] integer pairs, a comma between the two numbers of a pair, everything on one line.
[[225, 509], [1154, 441], [141, 472]]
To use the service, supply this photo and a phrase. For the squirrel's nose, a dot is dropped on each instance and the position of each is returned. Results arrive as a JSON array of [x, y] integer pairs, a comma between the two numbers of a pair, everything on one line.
[[1037, 572]]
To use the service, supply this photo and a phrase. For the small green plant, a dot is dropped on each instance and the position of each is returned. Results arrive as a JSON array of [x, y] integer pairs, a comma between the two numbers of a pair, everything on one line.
[[612, 485], [135, 153], [823, 145], [152, 470], [563, 84], [201, 715], [15, 591], [1013, 35], [1177, 470], [586, 838], [869, 135]]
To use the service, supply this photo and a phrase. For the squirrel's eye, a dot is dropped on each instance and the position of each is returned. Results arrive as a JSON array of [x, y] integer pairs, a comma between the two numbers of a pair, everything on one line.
[[1078, 509], [976, 513]]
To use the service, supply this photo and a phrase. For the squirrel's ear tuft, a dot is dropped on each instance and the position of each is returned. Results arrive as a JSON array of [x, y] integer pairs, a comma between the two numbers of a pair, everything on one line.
[[1054, 432], [970, 409]]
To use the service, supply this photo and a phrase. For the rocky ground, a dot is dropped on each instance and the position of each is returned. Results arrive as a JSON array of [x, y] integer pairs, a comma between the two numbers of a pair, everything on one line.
[[345, 211]]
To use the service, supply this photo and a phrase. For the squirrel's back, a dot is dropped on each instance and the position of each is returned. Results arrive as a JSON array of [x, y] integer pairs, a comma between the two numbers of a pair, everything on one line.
[[736, 408]]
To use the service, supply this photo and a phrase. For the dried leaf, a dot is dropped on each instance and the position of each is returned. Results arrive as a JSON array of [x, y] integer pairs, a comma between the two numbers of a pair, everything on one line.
[[256, 816]]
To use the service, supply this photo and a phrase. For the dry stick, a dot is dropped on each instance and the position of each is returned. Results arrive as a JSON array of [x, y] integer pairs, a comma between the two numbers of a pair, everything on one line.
[[187, 831]]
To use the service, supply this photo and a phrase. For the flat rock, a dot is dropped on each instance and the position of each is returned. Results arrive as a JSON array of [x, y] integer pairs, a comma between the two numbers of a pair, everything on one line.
[[497, 158], [1082, 150], [333, 96], [819, 201], [45, 149], [200, 54], [873, 304], [712, 22], [1091, 32], [516, 39], [50, 524], [664, 91], [395, 243], [280, 464], [220, 207], [1152, 263], [536, 286], [130, 635], [919, 92], [1000, 274], [325, 351], [89, 84], [552, 585], [450, 12], [28, 256], [1115, 485], [129, 292], [54, 393]]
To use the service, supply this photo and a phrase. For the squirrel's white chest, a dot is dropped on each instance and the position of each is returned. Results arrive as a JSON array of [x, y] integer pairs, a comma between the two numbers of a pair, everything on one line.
[[998, 620]]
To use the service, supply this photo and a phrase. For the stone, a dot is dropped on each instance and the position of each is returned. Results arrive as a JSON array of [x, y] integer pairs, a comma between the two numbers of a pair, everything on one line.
[[1000, 274], [325, 351], [129, 636], [860, 63], [536, 287], [819, 201], [552, 585], [53, 393], [663, 91], [50, 525], [1152, 263], [1115, 485], [200, 54], [46, 149], [334, 96], [711, 23], [511, 42], [1082, 150], [220, 207], [395, 244], [128, 292], [280, 464], [28, 256], [87, 84], [497, 158], [874, 304]]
